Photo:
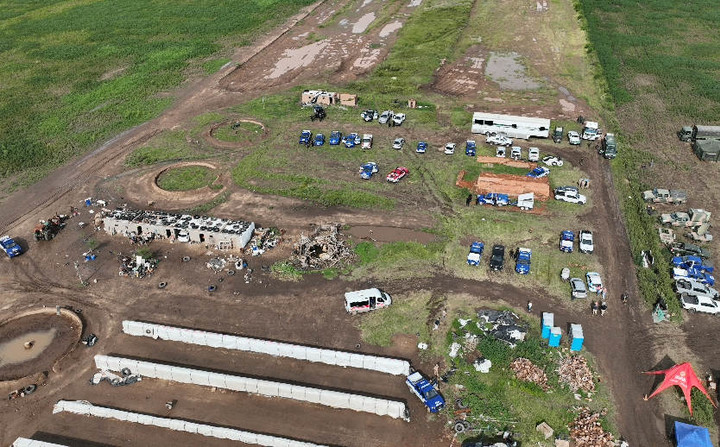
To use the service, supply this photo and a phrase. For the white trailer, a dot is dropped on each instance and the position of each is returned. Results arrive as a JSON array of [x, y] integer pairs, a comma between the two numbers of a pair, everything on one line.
[[511, 125]]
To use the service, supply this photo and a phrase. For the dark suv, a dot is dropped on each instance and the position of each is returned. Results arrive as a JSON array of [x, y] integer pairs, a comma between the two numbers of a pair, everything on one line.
[[497, 259], [683, 249]]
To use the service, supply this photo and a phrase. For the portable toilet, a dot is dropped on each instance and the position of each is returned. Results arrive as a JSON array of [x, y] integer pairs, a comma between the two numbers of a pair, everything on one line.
[[548, 321], [555, 336], [576, 333]]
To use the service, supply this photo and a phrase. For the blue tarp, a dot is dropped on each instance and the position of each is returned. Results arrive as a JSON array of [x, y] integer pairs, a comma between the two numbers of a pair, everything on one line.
[[688, 435]]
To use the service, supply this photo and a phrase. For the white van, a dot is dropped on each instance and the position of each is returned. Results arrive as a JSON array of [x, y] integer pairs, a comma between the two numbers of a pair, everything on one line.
[[366, 300]]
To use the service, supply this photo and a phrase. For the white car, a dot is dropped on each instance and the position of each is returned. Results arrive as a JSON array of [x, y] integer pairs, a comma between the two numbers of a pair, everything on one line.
[[578, 288], [552, 160], [574, 138], [594, 281], [450, 148], [693, 287], [700, 304], [499, 140], [516, 153], [367, 140], [398, 143], [399, 119], [586, 241], [533, 154], [386, 116], [570, 194], [500, 152]]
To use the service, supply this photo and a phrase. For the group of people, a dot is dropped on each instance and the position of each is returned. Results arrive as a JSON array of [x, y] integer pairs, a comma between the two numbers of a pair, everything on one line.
[[599, 305]]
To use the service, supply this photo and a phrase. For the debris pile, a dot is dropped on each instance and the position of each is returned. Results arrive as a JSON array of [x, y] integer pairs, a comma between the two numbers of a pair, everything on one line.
[[137, 267], [216, 264], [502, 325], [526, 371], [586, 431], [323, 249], [264, 239], [575, 372]]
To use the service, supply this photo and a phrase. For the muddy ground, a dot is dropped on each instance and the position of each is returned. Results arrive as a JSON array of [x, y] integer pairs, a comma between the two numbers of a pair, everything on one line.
[[309, 311]]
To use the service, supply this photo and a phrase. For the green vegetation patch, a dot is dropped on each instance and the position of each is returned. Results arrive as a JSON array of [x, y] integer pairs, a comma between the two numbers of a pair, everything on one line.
[[407, 315], [238, 131], [186, 178]]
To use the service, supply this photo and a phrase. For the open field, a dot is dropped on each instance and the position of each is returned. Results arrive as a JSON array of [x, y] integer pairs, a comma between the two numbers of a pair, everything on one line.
[[409, 238]]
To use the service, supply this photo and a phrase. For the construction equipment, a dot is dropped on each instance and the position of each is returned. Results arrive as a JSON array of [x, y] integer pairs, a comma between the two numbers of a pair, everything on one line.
[[48, 229]]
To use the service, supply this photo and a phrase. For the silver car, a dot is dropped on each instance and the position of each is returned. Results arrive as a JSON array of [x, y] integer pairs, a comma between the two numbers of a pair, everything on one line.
[[578, 288]]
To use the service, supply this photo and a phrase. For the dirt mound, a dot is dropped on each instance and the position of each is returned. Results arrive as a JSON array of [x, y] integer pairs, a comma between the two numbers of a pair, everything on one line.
[[512, 185], [506, 162]]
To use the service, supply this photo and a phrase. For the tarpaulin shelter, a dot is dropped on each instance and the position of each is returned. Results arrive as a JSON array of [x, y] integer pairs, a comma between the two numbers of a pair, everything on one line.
[[687, 435], [683, 376]]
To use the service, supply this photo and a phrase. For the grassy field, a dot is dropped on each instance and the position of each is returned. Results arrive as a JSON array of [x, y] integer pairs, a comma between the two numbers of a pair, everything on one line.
[[76, 72], [238, 131], [186, 178]]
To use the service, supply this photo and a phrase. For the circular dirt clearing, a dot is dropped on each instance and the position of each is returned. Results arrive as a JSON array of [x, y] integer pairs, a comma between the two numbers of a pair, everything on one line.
[[34, 341], [236, 133], [186, 178]]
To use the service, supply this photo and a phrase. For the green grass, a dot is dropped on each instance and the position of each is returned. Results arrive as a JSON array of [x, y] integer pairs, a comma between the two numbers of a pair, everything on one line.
[[169, 145], [186, 178], [237, 131], [76, 73], [214, 65], [206, 207], [407, 315]]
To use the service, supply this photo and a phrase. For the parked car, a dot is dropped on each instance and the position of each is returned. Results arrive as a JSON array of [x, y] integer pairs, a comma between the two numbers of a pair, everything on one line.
[[570, 194], [522, 260], [398, 143], [386, 116], [10, 247], [368, 169], [694, 287], [493, 198], [367, 140], [516, 153], [700, 304], [476, 251], [369, 115], [574, 138], [552, 160], [470, 148], [567, 241], [594, 281], [335, 138], [425, 391], [351, 140], [319, 140], [539, 172], [305, 137], [660, 195], [398, 174], [586, 243], [558, 134], [366, 300], [499, 139], [497, 258], [421, 147], [398, 119], [693, 273], [500, 151], [533, 154], [450, 148], [691, 261], [577, 287], [681, 248]]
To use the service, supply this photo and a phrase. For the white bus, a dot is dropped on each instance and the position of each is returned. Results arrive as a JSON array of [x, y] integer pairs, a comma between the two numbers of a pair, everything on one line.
[[512, 126]]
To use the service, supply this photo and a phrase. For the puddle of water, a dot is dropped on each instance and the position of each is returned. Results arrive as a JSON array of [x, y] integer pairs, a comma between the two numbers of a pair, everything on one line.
[[297, 58], [15, 351]]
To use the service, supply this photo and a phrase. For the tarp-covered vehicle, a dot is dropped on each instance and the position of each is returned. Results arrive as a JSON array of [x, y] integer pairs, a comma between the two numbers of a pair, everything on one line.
[[10, 247], [476, 250], [425, 391]]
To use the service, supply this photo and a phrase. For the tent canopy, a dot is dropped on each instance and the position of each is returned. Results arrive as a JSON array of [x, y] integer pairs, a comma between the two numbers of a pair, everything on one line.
[[688, 435], [681, 375]]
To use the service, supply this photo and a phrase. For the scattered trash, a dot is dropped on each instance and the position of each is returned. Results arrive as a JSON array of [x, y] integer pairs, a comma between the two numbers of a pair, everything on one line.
[[575, 372], [422, 346], [502, 325], [128, 378], [22, 392], [545, 429], [264, 239], [216, 264], [323, 249], [170, 404], [212, 288], [90, 340], [482, 365], [454, 349], [526, 371], [137, 267]]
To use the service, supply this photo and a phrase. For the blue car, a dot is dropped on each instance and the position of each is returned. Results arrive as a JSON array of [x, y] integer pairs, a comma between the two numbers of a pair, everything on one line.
[[470, 148], [688, 262], [319, 139], [567, 241], [368, 169], [423, 389], [10, 247], [476, 250], [305, 137], [421, 147], [522, 261], [539, 172], [351, 140], [493, 198], [335, 138]]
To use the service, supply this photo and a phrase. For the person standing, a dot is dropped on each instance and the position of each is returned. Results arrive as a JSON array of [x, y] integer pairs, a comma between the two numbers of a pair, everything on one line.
[[529, 306], [594, 307], [603, 308]]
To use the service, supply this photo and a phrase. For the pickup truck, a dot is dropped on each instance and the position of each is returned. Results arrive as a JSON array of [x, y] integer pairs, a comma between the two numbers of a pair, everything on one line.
[[659, 195], [693, 218], [367, 140], [476, 250], [570, 194], [425, 391], [567, 241], [522, 260]]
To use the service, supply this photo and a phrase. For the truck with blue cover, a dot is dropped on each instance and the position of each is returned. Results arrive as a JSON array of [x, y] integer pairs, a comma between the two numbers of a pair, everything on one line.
[[425, 391], [470, 148], [10, 247], [476, 251], [493, 198], [522, 260], [567, 241]]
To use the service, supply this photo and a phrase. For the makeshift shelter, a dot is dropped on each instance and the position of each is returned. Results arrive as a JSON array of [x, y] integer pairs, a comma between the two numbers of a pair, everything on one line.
[[687, 435], [683, 376], [707, 150]]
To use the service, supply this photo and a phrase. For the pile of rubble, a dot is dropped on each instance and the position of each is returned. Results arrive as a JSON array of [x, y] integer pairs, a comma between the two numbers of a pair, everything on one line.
[[264, 239], [502, 325], [526, 371], [575, 372], [137, 267], [323, 249], [586, 431]]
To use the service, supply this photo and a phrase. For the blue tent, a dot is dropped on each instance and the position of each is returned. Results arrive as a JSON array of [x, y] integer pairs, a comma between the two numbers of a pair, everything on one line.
[[688, 435]]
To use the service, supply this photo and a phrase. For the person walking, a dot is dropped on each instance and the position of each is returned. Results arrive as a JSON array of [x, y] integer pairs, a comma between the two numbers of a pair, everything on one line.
[[468, 200], [529, 306], [594, 307], [603, 308]]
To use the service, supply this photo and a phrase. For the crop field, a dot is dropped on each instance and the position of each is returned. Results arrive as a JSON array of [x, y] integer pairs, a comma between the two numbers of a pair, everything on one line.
[[76, 73]]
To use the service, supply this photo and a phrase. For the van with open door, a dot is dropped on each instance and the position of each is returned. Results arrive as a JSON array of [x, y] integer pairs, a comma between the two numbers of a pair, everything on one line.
[[366, 300]]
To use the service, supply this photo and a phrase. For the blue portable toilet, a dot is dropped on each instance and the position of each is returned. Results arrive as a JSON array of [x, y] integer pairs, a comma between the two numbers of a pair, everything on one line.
[[576, 333], [555, 336], [548, 321], [88, 201]]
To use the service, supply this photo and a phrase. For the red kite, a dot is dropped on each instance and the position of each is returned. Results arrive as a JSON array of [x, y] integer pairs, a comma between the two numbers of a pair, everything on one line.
[[683, 376]]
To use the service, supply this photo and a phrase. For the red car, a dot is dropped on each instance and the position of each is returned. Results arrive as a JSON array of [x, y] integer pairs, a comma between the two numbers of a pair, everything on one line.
[[398, 174]]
